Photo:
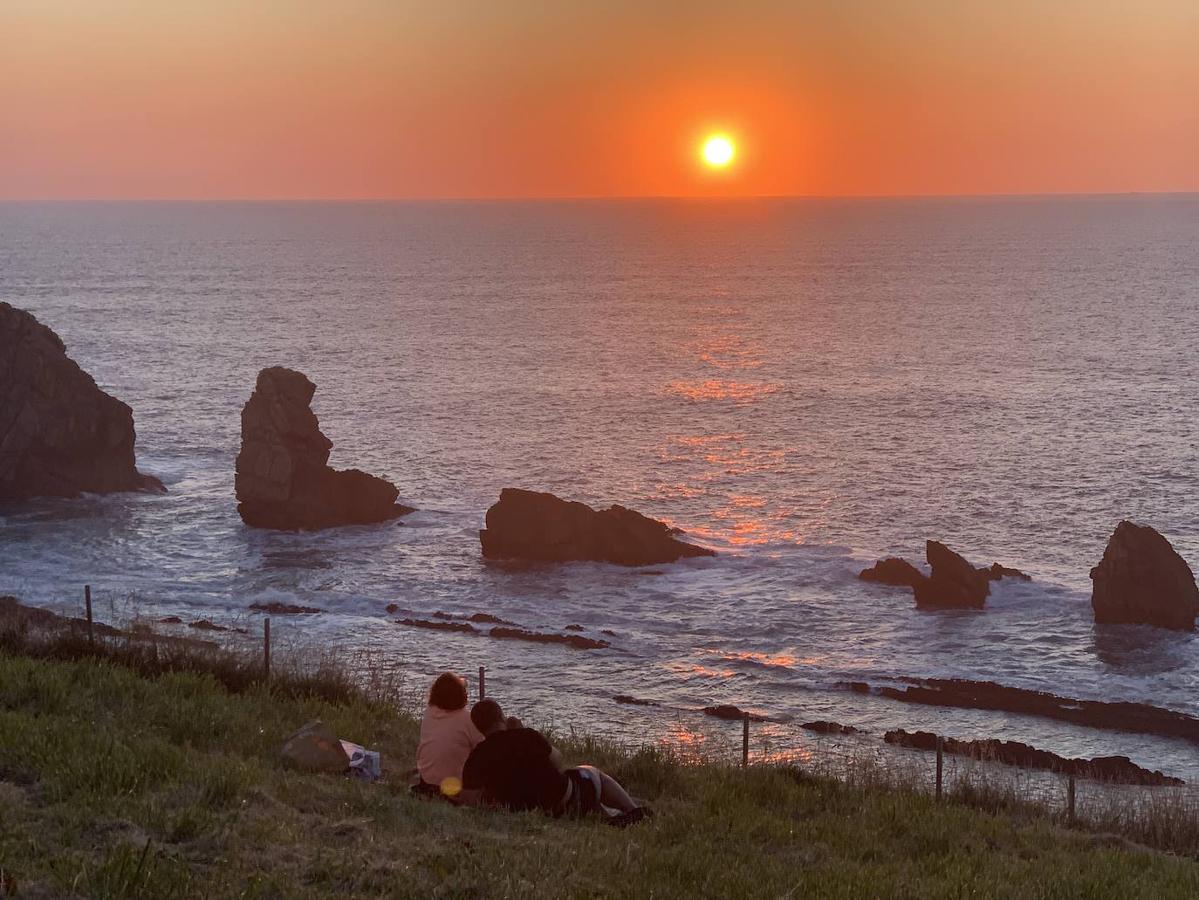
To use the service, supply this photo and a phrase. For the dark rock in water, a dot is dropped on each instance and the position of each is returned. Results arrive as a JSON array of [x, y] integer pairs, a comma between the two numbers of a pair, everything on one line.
[[1142, 580], [481, 618], [1114, 769], [539, 527], [633, 701], [206, 625], [578, 642], [60, 435], [731, 713], [392, 608], [170, 620], [283, 609], [574, 627], [962, 694], [283, 478], [954, 583], [893, 571], [824, 727], [608, 631], [995, 572], [487, 618], [438, 626]]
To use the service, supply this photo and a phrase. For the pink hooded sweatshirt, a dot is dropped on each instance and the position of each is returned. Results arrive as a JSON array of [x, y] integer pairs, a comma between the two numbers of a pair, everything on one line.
[[446, 739]]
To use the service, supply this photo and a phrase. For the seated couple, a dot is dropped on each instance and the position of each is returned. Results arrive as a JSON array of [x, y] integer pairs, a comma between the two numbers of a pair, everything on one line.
[[481, 758]]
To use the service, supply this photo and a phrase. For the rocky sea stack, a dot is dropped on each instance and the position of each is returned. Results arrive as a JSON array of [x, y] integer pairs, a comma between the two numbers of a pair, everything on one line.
[[1142, 580], [539, 527], [284, 480], [955, 583], [60, 435]]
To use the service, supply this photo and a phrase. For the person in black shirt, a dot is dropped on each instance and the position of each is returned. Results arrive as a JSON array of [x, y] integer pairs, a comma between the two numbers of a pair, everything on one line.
[[517, 768]]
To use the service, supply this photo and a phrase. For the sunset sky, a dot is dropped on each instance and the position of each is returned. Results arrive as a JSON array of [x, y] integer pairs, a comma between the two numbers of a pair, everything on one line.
[[513, 98]]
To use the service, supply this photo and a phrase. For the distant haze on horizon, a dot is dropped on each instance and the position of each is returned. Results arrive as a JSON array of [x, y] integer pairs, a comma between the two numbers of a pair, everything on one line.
[[365, 99]]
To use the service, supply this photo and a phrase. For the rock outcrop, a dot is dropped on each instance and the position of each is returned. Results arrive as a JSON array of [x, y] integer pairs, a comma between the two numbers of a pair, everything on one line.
[[823, 726], [893, 571], [575, 641], [284, 480], [954, 583], [539, 527], [959, 693], [1142, 580], [732, 713], [60, 435], [1112, 769], [996, 572]]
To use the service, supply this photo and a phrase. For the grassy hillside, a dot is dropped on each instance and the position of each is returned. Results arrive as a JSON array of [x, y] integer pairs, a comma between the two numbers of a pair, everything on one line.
[[113, 784]]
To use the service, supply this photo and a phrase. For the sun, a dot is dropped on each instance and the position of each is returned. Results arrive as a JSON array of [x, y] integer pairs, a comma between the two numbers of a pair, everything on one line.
[[718, 151]]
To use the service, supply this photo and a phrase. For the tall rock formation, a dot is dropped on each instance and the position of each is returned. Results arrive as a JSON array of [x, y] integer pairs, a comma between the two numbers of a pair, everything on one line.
[[1142, 580], [539, 527], [60, 435], [954, 582], [284, 480]]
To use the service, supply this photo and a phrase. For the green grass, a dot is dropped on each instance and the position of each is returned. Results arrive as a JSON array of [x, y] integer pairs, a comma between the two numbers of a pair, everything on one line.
[[115, 784]]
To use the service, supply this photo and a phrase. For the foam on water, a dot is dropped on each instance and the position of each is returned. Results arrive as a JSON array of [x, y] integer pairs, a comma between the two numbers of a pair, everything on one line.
[[806, 386]]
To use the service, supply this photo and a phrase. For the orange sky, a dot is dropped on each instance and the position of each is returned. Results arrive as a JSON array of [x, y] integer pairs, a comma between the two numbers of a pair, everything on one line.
[[514, 98]]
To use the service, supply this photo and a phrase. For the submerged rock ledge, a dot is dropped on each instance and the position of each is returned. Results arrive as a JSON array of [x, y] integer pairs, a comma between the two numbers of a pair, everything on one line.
[[962, 694], [1112, 769]]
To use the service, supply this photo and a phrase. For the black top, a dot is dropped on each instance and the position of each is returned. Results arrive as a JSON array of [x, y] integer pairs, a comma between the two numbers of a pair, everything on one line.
[[513, 769]]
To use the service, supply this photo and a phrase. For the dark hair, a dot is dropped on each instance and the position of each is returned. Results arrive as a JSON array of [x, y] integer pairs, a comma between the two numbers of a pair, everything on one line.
[[486, 714], [448, 692]]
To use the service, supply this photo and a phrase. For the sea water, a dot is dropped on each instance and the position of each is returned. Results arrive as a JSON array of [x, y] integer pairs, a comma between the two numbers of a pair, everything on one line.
[[805, 386]]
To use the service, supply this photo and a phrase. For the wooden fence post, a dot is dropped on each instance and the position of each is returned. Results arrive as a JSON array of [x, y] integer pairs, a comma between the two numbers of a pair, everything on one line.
[[266, 648], [745, 740], [1070, 799], [482, 683], [87, 603], [940, 765]]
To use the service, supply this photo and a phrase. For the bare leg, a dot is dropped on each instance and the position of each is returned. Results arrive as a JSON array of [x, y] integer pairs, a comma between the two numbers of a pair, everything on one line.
[[612, 794]]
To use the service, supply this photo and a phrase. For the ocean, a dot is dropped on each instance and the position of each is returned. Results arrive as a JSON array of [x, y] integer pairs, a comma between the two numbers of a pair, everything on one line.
[[804, 385]]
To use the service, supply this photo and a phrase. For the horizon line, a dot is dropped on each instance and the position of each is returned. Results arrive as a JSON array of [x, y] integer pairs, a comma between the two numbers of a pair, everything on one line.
[[576, 198]]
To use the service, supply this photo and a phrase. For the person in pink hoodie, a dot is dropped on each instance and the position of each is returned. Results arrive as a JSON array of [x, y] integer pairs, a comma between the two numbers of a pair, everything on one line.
[[447, 736]]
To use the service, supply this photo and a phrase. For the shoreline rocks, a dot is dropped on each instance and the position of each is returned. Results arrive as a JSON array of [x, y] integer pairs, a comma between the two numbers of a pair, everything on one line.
[[823, 726], [445, 623], [1112, 769], [283, 478], [275, 608], [575, 641], [60, 434], [626, 700], [731, 713], [1142, 580], [986, 695], [538, 527], [439, 625]]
